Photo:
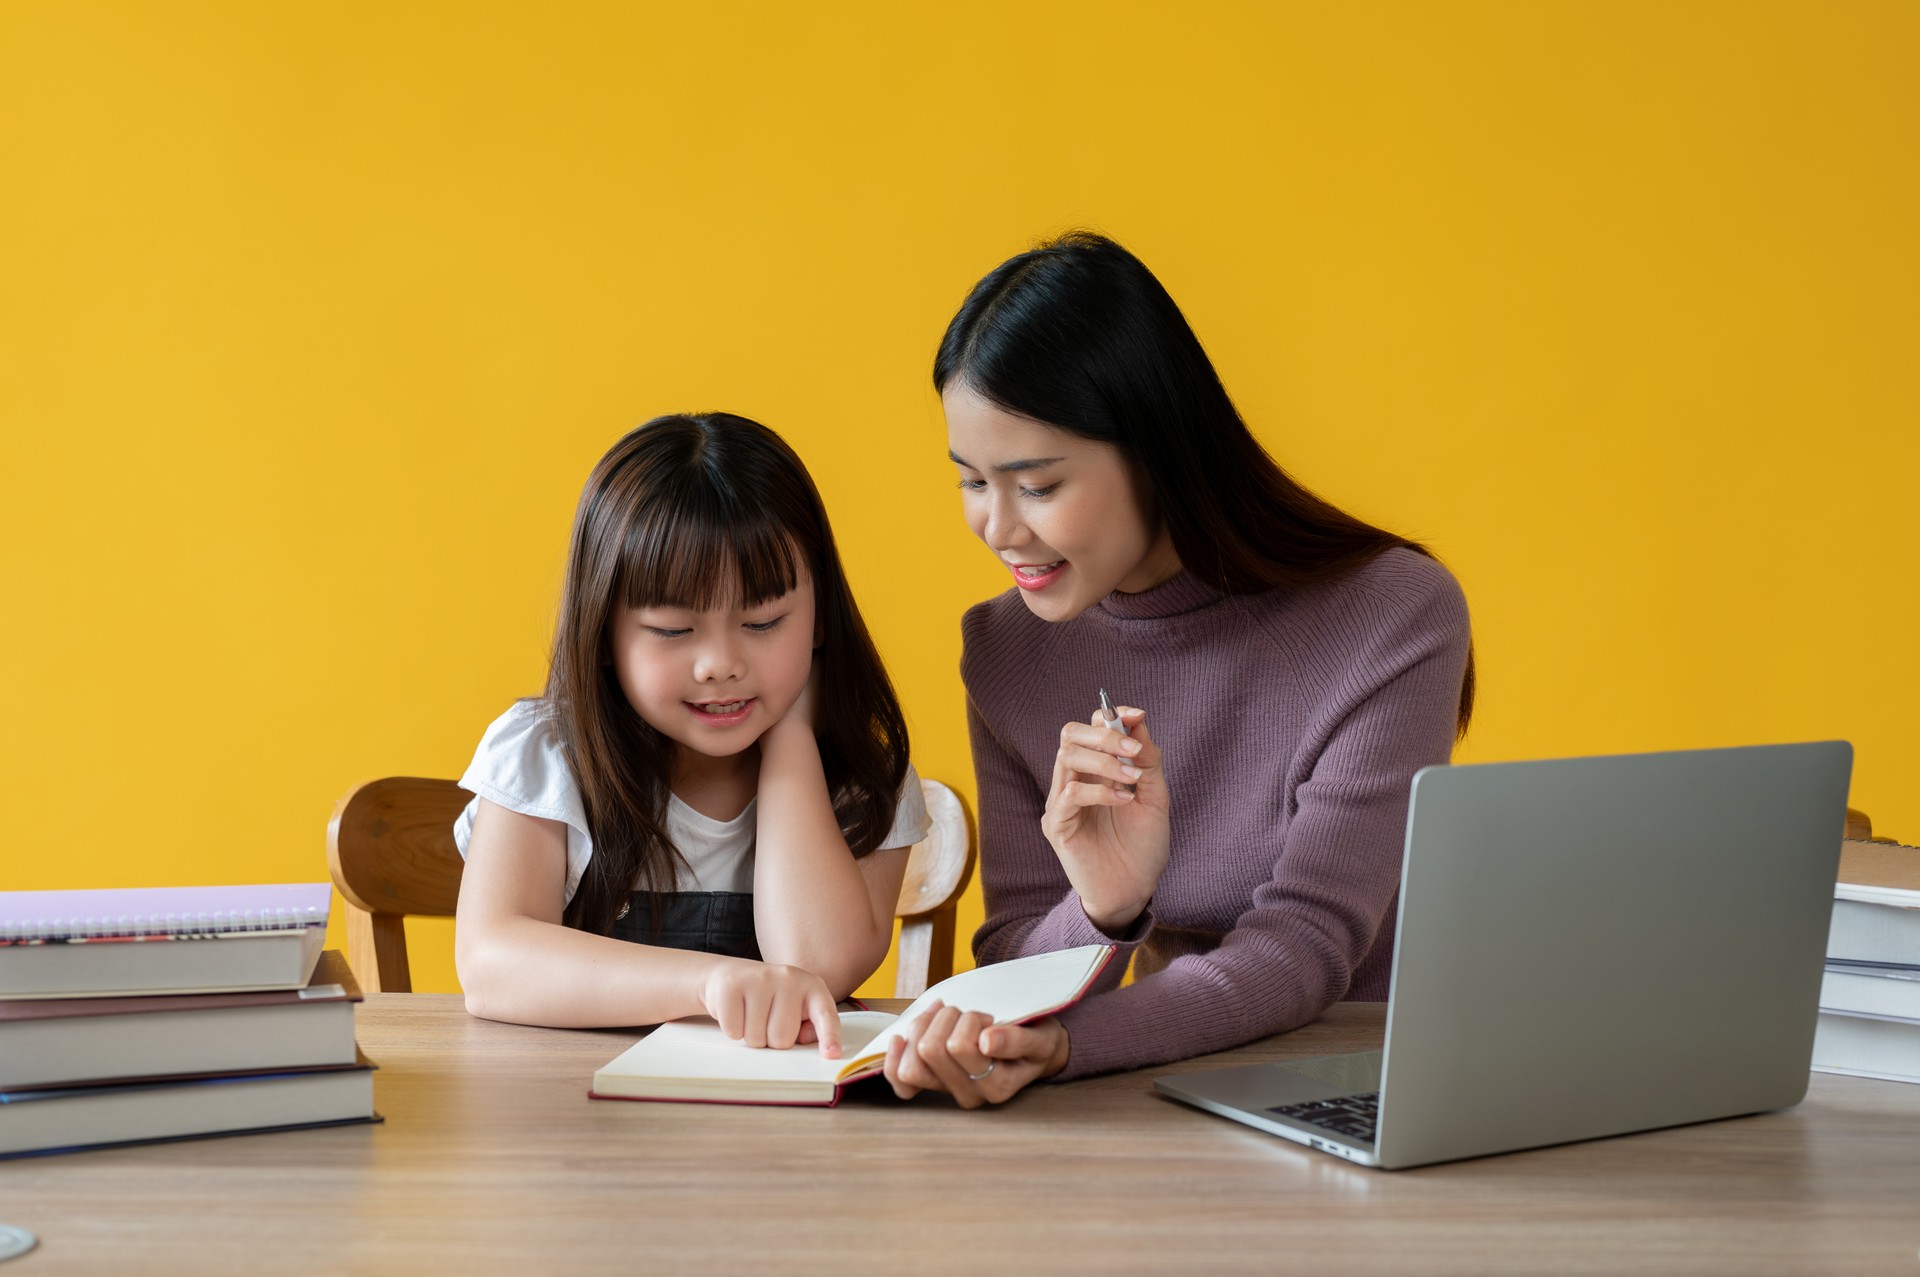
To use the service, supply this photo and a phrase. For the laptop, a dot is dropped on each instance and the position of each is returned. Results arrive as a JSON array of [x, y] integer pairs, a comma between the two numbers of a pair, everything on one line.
[[1586, 947]]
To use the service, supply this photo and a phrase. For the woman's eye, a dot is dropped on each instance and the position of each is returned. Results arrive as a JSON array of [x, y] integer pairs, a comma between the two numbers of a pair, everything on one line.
[[1039, 492], [657, 632], [972, 485], [765, 627]]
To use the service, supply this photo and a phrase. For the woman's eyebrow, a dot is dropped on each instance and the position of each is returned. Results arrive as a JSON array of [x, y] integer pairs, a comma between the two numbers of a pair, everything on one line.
[[1010, 467]]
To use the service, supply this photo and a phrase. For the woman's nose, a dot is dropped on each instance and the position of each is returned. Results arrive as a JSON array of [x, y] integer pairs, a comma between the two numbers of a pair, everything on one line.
[[1003, 529]]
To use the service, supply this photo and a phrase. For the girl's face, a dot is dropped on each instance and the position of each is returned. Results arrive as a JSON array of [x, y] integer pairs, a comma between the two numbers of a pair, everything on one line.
[[1062, 513], [715, 681]]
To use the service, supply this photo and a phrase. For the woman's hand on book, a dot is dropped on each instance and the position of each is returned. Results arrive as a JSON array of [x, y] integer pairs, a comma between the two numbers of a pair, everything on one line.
[[971, 1058], [769, 1005], [1106, 817]]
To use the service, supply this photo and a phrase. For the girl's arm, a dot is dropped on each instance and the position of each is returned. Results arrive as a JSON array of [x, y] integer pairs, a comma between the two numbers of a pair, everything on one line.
[[518, 962], [814, 906]]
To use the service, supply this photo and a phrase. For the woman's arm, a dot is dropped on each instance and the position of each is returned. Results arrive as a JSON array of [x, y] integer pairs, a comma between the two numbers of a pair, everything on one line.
[[1294, 950], [814, 906], [518, 962], [1032, 906]]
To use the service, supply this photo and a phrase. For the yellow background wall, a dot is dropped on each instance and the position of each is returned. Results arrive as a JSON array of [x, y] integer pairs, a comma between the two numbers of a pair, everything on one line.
[[313, 318]]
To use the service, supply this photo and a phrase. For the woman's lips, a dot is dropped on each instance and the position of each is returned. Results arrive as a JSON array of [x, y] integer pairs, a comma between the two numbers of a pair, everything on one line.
[[1036, 576], [736, 711]]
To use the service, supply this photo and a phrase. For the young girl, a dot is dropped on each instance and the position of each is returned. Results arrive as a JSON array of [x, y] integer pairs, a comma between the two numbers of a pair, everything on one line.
[[1292, 666], [709, 811]]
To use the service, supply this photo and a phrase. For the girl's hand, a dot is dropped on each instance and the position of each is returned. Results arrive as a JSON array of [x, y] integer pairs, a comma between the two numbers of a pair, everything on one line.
[[770, 1005], [805, 710], [971, 1058], [1112, 843]]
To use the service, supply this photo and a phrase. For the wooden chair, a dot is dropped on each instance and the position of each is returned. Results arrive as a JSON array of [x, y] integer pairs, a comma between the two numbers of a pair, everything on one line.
[[390, 848], [1860, 829]]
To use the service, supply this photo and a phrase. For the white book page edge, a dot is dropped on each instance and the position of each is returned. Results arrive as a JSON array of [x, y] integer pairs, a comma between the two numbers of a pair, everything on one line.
[[694, 1049], [1894, 896]]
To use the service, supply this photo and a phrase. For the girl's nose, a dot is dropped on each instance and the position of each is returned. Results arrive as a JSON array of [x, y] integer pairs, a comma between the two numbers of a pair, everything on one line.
[[718, 662]]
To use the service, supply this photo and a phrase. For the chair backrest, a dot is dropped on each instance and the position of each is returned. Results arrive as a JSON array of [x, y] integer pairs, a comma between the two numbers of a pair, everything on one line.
[[938, 870], [390, 848]]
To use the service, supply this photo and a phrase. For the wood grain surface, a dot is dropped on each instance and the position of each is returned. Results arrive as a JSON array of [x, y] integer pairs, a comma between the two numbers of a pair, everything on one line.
[[493, 1159]]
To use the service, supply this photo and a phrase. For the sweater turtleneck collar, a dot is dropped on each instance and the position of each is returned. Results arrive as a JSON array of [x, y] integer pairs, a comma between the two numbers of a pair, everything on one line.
[[1182, 593]]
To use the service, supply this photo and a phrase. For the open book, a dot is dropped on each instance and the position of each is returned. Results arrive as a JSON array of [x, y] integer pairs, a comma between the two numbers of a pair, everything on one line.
[[692, 1060]]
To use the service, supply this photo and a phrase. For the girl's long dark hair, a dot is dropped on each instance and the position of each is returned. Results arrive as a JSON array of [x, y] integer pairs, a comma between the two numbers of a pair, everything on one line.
[[684, 512], [1079, 335]]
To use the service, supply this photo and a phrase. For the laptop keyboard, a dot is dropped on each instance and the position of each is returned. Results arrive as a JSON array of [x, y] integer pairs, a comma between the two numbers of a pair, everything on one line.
[[1351, 1117]]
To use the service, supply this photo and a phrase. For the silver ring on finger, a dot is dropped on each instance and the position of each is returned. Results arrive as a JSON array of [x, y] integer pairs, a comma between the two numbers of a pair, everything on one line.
[[975, 1077]]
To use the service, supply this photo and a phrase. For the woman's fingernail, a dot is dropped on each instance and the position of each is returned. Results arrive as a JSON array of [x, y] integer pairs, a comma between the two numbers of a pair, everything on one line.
[[1129, 771], [1130, 746], [1126, 795]]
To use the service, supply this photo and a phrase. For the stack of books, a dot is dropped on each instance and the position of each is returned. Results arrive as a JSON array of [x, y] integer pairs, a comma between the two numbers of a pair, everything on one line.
[[1870, 996], [173, 1013]]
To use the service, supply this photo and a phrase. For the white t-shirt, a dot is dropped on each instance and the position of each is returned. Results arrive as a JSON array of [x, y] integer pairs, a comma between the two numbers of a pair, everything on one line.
[[521, 766]]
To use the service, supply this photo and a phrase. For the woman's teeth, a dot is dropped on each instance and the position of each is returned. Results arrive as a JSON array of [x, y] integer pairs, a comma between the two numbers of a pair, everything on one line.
[[1042, 570]]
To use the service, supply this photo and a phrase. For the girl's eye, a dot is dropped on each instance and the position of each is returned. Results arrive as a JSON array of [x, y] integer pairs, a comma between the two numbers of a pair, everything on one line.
[[1039, 492], [657, 632], [765, 627]]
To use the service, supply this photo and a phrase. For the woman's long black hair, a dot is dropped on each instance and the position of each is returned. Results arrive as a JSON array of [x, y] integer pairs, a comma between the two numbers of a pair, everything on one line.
[[1079, 335], [681, 512]]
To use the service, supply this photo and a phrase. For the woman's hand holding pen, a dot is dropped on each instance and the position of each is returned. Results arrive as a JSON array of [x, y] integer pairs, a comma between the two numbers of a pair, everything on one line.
[[1106, 816]]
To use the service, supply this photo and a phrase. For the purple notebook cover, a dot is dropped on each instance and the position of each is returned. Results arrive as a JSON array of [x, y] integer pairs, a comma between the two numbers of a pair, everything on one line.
[[163, 910]]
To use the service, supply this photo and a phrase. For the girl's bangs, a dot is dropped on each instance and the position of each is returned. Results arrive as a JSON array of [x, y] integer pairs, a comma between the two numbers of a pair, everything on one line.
[[704, 559]]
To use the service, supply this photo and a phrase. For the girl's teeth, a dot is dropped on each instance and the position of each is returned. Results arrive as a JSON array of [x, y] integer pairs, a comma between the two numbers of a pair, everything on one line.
[[730, 708]]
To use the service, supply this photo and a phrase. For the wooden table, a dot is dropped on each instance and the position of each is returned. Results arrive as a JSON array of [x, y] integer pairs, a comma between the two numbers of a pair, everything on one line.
[[492, 1159]]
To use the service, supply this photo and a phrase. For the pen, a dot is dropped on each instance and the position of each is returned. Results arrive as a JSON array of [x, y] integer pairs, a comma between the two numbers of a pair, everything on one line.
[[1110, 717]]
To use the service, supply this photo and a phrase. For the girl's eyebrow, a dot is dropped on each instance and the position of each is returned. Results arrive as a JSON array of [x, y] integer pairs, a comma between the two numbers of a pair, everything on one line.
[[1010, 467]]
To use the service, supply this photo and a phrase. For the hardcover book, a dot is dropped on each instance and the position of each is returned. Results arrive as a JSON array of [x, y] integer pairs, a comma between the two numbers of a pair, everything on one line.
[[692, 1060], [63, 1041]]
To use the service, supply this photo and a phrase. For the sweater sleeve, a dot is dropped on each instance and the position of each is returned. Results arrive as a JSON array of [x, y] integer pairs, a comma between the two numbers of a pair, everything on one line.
[[1293, 952], [1030, 905]]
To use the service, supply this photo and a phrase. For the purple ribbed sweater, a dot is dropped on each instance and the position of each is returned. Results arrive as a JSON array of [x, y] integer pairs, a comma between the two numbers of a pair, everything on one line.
[[1291, 723]]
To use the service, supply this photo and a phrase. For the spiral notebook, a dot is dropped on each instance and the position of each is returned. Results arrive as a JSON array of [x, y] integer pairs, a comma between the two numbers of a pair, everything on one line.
[[132, 941]]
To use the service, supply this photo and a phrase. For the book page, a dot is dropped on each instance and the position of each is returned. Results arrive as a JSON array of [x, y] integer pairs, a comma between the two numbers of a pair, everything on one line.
[[1010, 992], [695, 1048]]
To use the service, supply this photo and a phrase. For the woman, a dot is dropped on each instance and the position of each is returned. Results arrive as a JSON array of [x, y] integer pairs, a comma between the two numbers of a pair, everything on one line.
[[1285, 668]]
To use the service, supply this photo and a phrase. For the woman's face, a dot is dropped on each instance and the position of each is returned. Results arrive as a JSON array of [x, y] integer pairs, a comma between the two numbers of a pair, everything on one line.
[[1062, 513]]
